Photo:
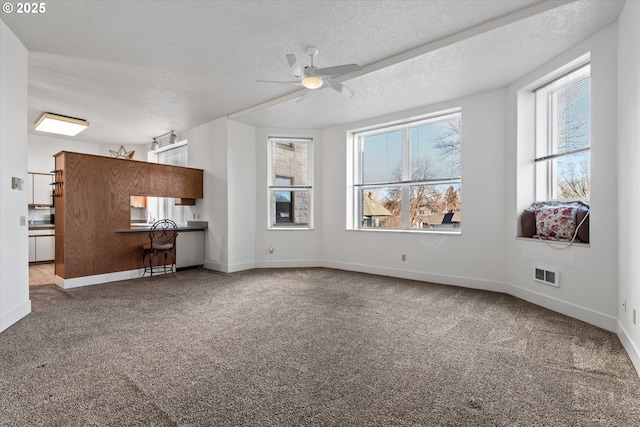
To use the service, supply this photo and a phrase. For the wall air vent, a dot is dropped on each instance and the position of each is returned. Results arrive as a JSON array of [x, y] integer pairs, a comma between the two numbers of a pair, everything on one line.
[[548, 277]]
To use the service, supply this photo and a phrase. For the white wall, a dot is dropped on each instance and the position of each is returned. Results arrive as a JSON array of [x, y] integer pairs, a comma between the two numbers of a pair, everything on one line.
[[475, 258], [207, 150], [14, 248], [292, 248], [241, 168], [588, 275], [42, 148], [629, 178]]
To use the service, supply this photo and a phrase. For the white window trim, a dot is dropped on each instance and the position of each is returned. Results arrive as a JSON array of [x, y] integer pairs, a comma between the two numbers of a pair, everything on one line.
[[272, 187], [543, 139], [354, 172]]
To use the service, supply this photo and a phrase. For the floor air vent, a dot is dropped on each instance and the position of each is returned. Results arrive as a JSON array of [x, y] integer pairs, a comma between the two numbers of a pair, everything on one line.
[[548, 277]]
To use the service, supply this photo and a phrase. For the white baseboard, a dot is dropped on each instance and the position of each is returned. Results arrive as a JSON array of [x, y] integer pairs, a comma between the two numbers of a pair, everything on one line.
[[587, 315], [243, 266], [97, 279], [17, 313], [303, 263], [629, 346], [216, 266], [443, 279]]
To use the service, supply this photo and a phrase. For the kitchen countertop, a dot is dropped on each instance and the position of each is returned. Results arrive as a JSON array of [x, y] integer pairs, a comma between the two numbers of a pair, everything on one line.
[[190, 226], [147, 229], [38, 226]]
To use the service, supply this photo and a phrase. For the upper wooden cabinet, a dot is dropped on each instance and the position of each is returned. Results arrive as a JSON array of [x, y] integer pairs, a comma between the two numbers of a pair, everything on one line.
[[183, 201], [39, 187], [138, 201], [98, 175]]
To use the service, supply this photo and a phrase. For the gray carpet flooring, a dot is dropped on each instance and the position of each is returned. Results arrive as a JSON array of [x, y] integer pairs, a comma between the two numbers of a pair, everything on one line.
[[306, 347]]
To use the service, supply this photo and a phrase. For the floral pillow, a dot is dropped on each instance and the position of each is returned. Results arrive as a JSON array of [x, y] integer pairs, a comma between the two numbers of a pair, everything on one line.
[[556, 222]]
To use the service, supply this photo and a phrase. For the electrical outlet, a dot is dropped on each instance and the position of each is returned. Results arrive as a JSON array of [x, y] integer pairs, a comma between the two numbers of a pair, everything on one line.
[[23, 220], [404, 257], [624, 304]]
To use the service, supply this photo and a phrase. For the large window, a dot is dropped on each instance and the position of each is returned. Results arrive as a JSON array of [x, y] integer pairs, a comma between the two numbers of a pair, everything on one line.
[[165, 207], [290, 183], [408, 177], [563, 137]]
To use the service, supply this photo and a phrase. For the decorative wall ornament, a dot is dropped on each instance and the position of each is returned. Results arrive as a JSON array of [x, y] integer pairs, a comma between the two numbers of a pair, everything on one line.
[[122, 153]]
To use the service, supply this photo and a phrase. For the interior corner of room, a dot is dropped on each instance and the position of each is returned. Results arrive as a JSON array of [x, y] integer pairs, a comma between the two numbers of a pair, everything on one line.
[[410, 154]]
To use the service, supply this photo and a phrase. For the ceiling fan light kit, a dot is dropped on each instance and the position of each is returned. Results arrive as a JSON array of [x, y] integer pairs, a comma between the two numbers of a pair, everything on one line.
[[312, 82], [312, 78]]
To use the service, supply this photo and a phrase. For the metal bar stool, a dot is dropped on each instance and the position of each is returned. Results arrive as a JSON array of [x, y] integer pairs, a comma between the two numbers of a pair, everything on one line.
[[162, 240]]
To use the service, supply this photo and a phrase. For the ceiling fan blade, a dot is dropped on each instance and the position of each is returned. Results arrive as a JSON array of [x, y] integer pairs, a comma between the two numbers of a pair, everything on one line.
[[338, 69], [339, 87], [296, 82], [296, 69], [306, 94]]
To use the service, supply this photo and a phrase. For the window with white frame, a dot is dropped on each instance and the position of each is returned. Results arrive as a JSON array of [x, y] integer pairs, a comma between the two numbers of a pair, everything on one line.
[[165, 207], [563, 137], [408, 176], [290, 188]]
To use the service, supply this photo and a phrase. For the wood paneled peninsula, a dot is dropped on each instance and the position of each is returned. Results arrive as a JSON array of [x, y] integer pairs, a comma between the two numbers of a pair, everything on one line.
[[92, 201]]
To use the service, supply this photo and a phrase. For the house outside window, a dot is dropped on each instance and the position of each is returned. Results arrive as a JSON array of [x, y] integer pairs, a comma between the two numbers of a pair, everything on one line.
[[563, 137], [408, 176], [290, 183], [284, 200]]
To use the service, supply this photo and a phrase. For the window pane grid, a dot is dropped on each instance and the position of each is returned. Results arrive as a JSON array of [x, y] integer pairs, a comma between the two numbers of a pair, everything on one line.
[[290, 189], [404, 173], [290, 208], [564, 138]]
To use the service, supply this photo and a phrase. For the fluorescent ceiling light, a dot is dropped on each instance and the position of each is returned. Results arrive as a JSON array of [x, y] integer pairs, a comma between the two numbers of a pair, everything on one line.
[[62, 125]]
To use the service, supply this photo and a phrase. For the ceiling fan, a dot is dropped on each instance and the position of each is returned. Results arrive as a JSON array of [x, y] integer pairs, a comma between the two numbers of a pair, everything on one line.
[[312, 77]]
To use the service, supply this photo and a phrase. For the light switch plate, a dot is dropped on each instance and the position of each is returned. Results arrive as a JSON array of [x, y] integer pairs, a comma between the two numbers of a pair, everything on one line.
[[16, 183]]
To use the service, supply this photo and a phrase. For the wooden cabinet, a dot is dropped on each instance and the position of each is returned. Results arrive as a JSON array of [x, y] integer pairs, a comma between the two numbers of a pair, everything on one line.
[[32, 248], [190, 249], [183, 201], [45, 248], [40, 189], [41, 245], [138, 201]]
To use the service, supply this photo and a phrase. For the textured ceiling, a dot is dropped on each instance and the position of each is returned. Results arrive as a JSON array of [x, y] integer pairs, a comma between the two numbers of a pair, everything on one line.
[[138, 69]]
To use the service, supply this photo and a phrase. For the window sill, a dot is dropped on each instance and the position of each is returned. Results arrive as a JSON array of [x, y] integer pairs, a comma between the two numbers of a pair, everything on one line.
[[420, 232], [290, 228], [554, 243]]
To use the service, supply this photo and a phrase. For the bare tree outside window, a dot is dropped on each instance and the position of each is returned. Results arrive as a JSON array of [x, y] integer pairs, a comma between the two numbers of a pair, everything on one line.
[[575, 181], [430, 183], [574, 133]]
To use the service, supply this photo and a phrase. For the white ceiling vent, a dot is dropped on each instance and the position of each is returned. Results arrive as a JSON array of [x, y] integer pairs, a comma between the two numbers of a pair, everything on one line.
[[548, 277]]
